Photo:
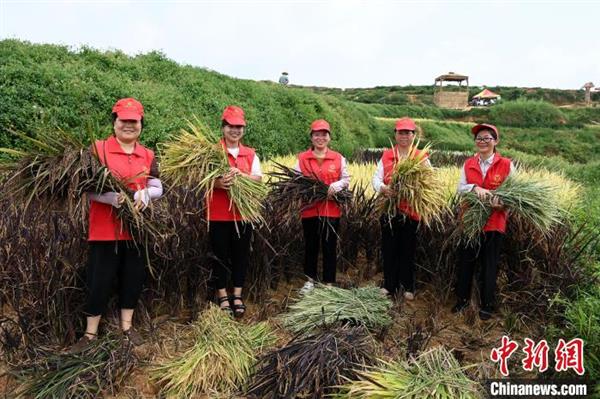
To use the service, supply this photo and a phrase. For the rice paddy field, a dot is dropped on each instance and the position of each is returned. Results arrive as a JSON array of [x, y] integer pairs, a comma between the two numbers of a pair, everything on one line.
[[347, 340]]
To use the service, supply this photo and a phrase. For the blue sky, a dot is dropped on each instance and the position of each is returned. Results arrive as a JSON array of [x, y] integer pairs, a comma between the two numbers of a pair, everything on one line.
[[336, 43]]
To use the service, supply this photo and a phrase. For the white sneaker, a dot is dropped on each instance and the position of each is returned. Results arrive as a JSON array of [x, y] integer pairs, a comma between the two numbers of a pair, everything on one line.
[[308, 287], [409, 296]]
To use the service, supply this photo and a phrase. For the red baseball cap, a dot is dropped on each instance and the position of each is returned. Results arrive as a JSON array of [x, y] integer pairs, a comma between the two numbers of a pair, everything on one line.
[[481, 126], [320, 124], [405, 124], [233, 115], [129, 109]]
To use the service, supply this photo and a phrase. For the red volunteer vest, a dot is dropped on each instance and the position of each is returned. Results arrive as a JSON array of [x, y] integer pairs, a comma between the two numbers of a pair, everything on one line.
[[389, 159], [328, 172], [220, 207], [496, 174], [133, 170]]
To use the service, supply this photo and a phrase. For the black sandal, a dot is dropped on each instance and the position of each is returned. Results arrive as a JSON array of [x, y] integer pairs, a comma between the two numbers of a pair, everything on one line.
[[238, 309], [225, 308]]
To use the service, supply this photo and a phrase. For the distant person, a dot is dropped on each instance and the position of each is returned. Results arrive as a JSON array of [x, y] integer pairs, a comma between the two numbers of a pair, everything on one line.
[[284, 80]]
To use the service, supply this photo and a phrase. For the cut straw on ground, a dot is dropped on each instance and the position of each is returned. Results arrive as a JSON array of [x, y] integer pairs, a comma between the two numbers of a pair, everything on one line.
[[221, 359], [97, 370], [435, 374], [309, 367], [327, 305]]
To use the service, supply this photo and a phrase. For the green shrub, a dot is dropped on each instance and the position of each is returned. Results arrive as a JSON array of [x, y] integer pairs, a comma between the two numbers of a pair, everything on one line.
[[524, 113]]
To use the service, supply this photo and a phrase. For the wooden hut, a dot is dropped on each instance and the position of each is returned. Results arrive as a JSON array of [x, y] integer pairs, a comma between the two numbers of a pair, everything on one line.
[[457, 97]]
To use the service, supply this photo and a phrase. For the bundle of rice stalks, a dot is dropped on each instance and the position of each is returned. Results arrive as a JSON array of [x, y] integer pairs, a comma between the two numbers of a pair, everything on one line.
[[221, 359], [327, 305], [530, 202], [434, 374], [292, 192], [416, 184], [309, 367], [56, 166], [566, 194], [98, 370], [196, 158]]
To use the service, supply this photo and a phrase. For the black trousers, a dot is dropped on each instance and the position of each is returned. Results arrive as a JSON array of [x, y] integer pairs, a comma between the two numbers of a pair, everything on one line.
[[487, 253], [110, 259], [320, 233], [398, 247], [230, 243]]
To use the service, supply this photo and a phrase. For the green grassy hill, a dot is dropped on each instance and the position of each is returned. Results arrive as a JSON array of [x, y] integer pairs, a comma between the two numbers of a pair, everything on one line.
[[49, 85]]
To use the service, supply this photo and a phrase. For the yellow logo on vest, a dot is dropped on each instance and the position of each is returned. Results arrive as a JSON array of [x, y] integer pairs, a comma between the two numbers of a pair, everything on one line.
[[332, 168], [497, 179]]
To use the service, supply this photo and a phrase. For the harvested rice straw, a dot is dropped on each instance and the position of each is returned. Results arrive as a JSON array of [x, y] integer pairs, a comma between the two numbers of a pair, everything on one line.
[[529, 201], [220, 360], [434, 374], [196, 158], [327, 305], [416, 184]]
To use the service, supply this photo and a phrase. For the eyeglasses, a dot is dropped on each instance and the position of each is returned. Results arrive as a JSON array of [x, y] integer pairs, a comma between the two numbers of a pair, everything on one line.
[[484, 139]]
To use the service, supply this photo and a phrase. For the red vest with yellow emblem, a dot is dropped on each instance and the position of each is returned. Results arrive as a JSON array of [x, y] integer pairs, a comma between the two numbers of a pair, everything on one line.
[[133, 170], [329, 171], [220, 208], [389, 159], [495, 176]]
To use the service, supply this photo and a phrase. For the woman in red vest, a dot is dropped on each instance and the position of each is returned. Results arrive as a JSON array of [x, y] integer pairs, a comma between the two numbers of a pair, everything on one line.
[[229, 235], [111, 250], [398, 234], [320, 220], [482, 174]]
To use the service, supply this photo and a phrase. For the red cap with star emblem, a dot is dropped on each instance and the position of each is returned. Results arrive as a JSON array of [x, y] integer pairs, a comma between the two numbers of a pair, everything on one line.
[[233, 115], [320, 124], [129, 109], [482, 126]]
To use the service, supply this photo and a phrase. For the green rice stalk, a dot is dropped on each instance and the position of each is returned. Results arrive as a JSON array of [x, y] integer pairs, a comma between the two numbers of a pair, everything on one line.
[[327, 305], [418, 184], [529, 202], [100, 368], [434, 374], [311, 366], [221, 359], [196, 158]]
